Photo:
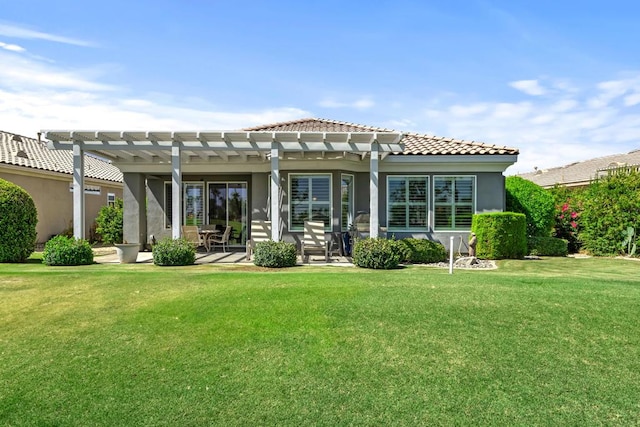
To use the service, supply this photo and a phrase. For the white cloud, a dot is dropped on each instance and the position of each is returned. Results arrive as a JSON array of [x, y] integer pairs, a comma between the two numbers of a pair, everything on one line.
[[359, 104], [16, 31], [530, 87], [12, 47]]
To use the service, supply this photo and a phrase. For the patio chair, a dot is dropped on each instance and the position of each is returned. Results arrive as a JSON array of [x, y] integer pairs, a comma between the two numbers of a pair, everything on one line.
[[260, 232], [314, 239], [191, 233], [222, 240]]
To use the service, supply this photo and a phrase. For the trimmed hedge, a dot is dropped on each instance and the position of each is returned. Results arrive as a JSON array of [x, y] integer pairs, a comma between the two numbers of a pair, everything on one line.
[[376, 253], [421, 251], [18, 219], [170, 252], [63, 250], [500, 235], [548, 246], [536, 203], [275, 254]]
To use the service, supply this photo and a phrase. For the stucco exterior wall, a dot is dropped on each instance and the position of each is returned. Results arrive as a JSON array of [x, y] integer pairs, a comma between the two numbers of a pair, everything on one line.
[[54, 201]]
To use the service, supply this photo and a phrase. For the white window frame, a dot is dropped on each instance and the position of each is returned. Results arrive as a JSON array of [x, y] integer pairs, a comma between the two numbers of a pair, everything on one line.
[[351, 211], [328, 227], [427, 202], [111, 199], [453, 203]]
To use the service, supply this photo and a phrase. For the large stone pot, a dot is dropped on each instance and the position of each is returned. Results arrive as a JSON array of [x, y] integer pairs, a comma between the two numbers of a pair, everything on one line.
[[127, 252]]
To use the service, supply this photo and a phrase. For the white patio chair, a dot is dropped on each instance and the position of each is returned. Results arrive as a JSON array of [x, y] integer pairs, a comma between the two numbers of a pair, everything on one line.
[[314, 239], [191, 233], [221, 240], [260, 232]]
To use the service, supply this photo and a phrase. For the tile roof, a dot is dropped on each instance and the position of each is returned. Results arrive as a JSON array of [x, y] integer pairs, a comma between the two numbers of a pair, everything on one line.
[[414, 143], [27, 152], [581, 173]]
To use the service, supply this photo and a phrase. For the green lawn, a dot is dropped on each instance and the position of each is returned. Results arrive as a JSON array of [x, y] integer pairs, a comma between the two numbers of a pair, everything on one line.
[[551, 342]]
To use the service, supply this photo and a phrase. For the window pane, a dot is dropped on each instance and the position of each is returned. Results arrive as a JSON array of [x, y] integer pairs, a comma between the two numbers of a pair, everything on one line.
[[418, 190], [463, 216], [320, 189], [443, 191], [464, 190], [417, 216], [299, 214], [346, 201], [194, 204], [397, 216], [168, 204], [320, 212], [397, 190], [299, 189], [443, 216], [218, 204]]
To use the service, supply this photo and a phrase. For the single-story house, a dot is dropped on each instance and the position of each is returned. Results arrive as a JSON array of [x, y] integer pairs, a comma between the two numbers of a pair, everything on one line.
[[47, 176], [404, 184], [580, 174]]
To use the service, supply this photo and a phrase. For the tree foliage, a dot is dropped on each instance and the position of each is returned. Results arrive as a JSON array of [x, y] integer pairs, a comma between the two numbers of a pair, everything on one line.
[[610, 206], [109, 222], [536, 203], [18, 219]]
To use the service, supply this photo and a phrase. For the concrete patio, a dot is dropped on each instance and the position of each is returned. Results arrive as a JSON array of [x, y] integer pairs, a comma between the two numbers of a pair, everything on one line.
[[108, 255]]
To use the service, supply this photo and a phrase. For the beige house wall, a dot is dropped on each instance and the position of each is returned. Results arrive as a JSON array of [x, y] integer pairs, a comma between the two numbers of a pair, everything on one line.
[[54, 201]]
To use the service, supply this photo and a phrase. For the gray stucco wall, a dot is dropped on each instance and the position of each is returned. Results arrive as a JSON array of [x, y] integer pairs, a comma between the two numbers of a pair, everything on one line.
[[490, 197]]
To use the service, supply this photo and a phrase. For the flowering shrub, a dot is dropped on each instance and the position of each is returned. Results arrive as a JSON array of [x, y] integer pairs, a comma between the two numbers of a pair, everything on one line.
[[567, 223]]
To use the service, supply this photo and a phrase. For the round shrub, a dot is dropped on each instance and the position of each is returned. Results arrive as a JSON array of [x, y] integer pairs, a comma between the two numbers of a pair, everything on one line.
[[548, 246], [174, 252], [376, 253], [421, 251], [18, 219], [63, 250], [536, 203], [500, 235], [109, 223], [275, 254]]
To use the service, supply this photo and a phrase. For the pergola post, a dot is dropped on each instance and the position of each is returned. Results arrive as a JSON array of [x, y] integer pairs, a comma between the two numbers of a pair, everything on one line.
[[275, 191], [78, 190], [176, 190], [374, 222]]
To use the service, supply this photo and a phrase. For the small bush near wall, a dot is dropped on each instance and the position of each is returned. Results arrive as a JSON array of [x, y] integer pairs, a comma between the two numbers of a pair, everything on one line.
[[421, 251], [548, 246], [173, 252], [275, 254], [63, 250], [500, 235], [109, 223], [377, 253], [18, 219]]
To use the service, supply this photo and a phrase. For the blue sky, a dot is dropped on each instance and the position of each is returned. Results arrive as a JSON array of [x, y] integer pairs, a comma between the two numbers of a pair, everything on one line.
[[560, 80]]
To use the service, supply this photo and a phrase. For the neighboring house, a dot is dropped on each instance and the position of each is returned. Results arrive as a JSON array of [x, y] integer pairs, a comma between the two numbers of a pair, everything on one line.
[[580, 174], [47, 176], [403, 184]]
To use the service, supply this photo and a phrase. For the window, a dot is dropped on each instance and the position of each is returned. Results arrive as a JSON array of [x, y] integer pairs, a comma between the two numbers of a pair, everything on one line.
[[228, 207], [111, 199], [310, 200], [346, 189], [454, 202], [193, 203], [407, 202]]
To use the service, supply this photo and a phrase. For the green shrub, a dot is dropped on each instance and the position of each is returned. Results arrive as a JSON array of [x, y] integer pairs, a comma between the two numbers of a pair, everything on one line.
[[174, 252], [377, 253], [536, 203], [569, 205], [275, 254], [63, 250], [547, 246], [610, 206], [500, 235], [18, 219], [109, 223], [421, 251]]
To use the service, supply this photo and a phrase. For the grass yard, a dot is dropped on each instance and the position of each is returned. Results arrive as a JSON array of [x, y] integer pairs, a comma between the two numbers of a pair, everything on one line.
[[551, 342]]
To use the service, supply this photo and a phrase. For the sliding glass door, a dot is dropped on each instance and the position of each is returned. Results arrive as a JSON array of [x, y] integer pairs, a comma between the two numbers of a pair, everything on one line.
[[228, 206]]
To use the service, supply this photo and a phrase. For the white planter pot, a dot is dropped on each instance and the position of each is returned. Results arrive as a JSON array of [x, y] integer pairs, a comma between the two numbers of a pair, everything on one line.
[[127, 252]]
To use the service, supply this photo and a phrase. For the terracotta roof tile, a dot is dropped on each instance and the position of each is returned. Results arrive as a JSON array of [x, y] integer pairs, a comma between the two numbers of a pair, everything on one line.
[[414, 143], [30, 153], [581, 173]]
